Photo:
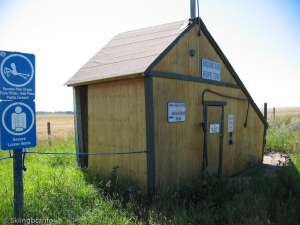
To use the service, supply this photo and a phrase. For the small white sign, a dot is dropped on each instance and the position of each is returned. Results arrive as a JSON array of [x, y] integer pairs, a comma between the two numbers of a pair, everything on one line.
[[176, 112], [211, 70], [214, 128], [230, 123]]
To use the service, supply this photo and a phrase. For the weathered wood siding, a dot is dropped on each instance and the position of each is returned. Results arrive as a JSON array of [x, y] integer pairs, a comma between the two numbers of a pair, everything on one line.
[[179, 146], [179, 61], [116, 123]]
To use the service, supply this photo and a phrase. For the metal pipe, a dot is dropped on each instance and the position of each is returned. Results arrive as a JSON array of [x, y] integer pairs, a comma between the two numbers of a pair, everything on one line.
[[193, 9]]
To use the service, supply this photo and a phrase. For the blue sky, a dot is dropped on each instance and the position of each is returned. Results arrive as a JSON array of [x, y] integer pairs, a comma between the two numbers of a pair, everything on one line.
[[259, 37]]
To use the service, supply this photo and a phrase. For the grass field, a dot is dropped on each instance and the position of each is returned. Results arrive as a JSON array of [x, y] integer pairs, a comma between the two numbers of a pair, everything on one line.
[[284, 112], [56, 189], [284, 132], [62, 126]]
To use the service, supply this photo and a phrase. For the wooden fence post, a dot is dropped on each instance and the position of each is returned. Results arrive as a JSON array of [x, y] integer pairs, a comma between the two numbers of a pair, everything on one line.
[[49, 133], [265, 131]]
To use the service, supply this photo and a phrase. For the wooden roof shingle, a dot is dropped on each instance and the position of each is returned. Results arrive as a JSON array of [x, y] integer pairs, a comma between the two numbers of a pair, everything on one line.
[[128, 53], [134, 53]]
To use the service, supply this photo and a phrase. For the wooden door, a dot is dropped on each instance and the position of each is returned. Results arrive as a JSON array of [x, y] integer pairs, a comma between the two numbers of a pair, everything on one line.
[[214, 114]]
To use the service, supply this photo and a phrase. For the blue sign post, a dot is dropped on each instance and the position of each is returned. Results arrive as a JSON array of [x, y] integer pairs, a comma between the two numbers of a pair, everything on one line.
[[17, 125], [17, 94], [17, 80], [17, 113]]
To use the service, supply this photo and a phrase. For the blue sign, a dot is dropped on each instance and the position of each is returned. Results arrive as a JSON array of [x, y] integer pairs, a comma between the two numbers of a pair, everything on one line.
[[17, 76], [18, 126]]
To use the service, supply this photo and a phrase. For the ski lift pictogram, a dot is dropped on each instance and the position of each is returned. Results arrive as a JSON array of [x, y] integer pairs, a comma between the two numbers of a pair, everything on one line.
[[13, 71]]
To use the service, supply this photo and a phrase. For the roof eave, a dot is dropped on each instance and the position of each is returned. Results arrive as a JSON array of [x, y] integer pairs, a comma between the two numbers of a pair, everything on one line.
[[97, 81]]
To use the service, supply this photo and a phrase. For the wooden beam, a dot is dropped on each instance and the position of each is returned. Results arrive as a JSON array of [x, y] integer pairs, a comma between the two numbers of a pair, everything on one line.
[[184, 77], [265, 131], [150, 135], [81, 124]]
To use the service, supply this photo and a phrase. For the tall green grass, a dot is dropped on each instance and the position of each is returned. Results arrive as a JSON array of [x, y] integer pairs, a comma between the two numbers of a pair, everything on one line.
[[56, 189], [283, 135]]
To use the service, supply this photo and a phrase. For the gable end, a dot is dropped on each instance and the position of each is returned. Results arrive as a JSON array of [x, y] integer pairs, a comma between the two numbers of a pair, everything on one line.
[[150, 72], [232, 71]]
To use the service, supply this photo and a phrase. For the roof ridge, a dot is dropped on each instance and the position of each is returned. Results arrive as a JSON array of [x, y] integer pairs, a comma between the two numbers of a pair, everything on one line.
[[148, 28], [146, 56], [137, 35], [131, 43]]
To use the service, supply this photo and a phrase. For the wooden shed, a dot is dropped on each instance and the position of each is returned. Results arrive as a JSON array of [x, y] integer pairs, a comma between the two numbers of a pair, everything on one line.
[[163, 104]]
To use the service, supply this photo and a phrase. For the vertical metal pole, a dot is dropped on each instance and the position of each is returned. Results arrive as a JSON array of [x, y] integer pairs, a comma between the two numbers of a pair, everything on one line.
[[265, 131], [193, 9], [18, 183], [274, 113], [49, 133]]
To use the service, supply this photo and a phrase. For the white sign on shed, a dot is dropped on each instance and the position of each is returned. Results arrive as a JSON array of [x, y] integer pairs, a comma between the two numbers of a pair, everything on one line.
[[230, 123], [214, 128], [176, 112], [211, 70]]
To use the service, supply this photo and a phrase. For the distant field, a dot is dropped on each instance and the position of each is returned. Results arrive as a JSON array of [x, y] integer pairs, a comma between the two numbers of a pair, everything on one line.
[[284, 112], [62, 126]]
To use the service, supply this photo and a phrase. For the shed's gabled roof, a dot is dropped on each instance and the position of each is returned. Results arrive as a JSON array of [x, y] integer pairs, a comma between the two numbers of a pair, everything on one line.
[[136, 52], [128, 53]]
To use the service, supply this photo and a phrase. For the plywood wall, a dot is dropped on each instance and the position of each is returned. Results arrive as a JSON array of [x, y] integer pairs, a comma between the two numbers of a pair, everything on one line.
[[116, 123], [179, 146], [178, 60]]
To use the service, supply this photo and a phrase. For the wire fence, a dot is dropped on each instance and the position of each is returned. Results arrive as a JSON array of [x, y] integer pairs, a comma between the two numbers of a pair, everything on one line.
[[7, 157], [73, 153], [57, 127], [84, 154]]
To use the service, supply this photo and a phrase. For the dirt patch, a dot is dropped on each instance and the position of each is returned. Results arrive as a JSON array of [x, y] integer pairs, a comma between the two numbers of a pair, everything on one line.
[[275, 159]]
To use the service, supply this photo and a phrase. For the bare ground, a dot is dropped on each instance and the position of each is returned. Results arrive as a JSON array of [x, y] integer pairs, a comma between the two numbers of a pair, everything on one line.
[[275, 159]]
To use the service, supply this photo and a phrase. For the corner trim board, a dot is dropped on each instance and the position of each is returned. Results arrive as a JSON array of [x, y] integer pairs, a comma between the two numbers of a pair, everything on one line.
[[148, 82], [77, 122], [80, 124]]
